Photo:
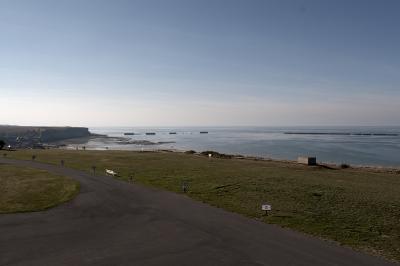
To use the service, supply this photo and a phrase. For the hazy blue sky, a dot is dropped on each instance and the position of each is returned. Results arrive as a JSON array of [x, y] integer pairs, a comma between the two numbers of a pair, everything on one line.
[[169, 62]]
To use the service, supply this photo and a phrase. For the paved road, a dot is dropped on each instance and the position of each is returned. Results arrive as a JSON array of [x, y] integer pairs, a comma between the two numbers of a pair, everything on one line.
[[113, 223]]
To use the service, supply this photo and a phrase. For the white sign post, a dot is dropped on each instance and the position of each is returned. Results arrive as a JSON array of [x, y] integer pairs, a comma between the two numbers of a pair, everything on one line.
[[266, 208]]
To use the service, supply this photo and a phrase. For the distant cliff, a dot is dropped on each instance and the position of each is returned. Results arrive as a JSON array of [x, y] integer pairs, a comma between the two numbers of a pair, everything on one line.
[[20, 134], [54, 134]]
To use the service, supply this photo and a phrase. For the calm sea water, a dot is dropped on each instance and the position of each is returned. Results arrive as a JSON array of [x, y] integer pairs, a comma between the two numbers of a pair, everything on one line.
[[272, 142]]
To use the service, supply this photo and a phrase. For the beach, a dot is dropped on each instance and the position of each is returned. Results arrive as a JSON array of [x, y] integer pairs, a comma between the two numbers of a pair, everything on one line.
[[357, 146]]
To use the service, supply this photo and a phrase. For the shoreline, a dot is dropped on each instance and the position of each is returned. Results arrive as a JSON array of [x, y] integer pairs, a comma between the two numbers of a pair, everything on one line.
[[106, 139], [79, 142], [332, 166]]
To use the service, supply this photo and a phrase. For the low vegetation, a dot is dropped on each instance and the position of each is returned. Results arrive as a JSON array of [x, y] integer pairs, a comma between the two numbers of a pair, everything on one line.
[[356, 207], [2, 144], [27, 189], [216, 154], [344, 166]]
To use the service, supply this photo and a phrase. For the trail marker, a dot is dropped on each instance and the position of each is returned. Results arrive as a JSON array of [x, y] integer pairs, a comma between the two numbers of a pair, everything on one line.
[[184, 187], [266, 208]]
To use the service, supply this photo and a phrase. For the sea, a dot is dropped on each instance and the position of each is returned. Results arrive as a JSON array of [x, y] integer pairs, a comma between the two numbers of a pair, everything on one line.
[[361, 146]]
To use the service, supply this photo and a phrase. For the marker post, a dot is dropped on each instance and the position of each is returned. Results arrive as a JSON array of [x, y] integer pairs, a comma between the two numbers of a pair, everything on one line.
[[266, 208]]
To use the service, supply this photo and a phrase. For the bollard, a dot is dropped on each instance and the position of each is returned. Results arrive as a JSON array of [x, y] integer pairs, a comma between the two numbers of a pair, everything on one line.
[[33, 157], [62, 163], [94, 169]]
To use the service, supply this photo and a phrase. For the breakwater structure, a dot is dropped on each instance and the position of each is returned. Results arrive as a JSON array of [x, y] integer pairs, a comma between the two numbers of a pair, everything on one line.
[[341, 133]]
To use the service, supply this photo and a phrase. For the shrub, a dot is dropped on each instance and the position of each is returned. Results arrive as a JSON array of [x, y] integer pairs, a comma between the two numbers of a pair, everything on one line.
[[217, 154], [344, 166], [2, 144]]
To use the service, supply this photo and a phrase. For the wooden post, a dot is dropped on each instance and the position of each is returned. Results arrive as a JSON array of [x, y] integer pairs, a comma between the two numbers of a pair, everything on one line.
[[131, 177], [184, 187], [94, 169]]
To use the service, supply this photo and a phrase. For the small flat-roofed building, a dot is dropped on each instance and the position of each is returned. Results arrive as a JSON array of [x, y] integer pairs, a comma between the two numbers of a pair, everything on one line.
[[307, 160]]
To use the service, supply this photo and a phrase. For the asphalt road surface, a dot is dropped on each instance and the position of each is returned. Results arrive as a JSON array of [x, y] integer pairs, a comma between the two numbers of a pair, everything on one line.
[[114, 223]]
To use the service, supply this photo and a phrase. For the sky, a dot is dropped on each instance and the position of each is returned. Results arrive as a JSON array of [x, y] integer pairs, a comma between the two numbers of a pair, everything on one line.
[[199, 63]]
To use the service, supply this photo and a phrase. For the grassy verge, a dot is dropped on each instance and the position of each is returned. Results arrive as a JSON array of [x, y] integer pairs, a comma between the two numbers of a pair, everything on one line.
[[355, 207], [27, 189]]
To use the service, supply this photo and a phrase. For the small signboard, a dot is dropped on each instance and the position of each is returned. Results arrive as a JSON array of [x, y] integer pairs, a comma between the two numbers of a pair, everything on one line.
[[266, 207]]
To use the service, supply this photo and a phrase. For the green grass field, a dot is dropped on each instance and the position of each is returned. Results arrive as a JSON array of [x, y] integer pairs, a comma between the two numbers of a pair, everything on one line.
[[356, 207], [27, 189]]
